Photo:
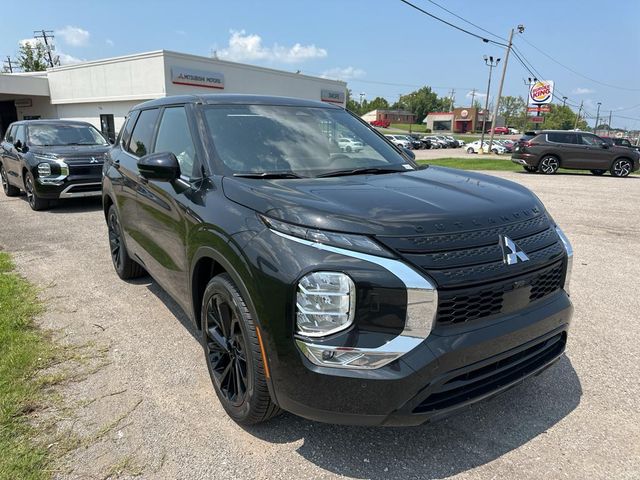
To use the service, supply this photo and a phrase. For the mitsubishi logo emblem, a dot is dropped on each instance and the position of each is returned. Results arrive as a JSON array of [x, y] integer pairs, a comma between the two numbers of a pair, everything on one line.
[[94, 160], [511, 253]]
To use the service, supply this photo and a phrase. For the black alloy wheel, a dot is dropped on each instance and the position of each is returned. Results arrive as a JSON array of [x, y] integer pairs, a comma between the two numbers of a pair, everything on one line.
[[234, 354], [36, 203], [125, 267], [621, 167], [9, 190], [549, 165]]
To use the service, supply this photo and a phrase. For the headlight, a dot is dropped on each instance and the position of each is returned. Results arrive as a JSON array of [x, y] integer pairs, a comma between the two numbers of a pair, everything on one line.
[[44, 169], [569, 249], [358, 243], [325, 303]]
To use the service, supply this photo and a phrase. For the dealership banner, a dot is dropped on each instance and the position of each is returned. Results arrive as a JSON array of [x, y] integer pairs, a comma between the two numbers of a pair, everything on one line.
[[196, 78], [332, 96], [541, 92]]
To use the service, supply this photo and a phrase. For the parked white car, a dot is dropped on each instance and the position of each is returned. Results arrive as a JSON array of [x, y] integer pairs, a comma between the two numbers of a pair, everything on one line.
[[349, 145], [514, 131], [399, 140], [474, 147]]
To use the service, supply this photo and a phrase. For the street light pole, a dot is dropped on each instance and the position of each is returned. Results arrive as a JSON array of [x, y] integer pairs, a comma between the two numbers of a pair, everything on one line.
[[489, 62], [504, 73], [595, 128], [528, 82], [575, 126]]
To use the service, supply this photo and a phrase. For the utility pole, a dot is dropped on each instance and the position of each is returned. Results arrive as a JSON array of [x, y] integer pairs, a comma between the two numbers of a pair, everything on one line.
[[504, 73], [575, 126], [564, 101], [595, 129], [46, 35], [452, 99], [9, 64], [362, 95], [609, 125], [491, 64], [473, 96]]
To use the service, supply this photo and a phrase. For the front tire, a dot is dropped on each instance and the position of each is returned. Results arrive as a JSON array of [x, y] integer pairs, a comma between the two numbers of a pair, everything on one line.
[[9, 190], [621, 167], [124, 265], [470, 150], [35, 202], [234, 355], [549, 165]]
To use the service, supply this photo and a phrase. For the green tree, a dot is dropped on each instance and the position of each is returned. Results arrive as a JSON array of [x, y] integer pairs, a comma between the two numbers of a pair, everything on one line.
[[375, 104], [562, 118], [32, 58], [421, 102], [352, 105], [512, 109]]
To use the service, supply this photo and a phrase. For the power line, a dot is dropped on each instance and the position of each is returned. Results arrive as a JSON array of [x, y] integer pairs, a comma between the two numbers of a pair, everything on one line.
[[467, 21], [435, 17], [578, 73]]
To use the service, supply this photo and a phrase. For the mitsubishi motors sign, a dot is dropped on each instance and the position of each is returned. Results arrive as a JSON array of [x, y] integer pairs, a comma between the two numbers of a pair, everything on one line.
[[197, 78], [541, 92]]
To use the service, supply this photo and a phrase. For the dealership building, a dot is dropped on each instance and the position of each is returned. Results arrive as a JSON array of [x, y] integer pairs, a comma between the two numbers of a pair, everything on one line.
[[460, 120], [101, 92]]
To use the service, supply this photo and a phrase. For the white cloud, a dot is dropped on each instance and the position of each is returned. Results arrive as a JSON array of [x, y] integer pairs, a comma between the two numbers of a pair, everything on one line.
[[249, 47], [66, 59], [182, 33], [30, 41], [476, 95], [582, 91], [346, 73], [74, 36], [109, 42]]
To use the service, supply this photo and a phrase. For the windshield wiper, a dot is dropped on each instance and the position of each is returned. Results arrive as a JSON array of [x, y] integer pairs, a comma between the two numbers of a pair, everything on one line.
[[268, 175], [359, 171]]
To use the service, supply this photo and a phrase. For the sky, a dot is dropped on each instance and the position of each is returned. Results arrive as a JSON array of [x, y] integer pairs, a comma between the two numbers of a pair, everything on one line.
[[380, 47]]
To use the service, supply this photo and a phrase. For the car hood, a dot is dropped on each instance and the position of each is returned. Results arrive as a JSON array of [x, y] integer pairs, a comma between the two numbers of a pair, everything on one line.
[[72, 151], [422, 201]]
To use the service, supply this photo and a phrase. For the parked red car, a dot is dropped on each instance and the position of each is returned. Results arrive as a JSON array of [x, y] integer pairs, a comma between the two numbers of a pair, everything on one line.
[[381, 123], [501, 130]]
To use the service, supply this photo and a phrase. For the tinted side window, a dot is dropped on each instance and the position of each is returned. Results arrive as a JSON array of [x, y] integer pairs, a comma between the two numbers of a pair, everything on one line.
[[174, 136], [127, 128], [586, 139], [20, 137], [10, 134], [142, 135], [561, 137]]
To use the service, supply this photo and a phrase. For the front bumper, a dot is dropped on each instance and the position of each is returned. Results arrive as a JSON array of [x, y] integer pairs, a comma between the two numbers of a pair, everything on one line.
[[443, 374], [74, 186]]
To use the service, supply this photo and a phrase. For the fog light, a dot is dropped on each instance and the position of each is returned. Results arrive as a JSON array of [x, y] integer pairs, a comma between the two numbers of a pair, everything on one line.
[[325, 303], [44, 169]]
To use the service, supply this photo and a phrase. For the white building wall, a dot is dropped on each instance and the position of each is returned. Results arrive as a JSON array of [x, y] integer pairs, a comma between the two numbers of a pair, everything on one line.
[[40, 106], [90, 112], [248, 79]]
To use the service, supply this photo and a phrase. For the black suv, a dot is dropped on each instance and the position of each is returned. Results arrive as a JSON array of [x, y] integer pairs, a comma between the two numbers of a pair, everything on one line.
[[52, 159], [352, 287], [546, 151]]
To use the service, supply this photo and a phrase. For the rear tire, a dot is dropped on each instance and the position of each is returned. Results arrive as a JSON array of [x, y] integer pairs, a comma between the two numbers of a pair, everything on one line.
[[621, 167], [598, 172], [470, 150], [9, 190], [234, 355], [35, 202], [124, 265], [549, 165]]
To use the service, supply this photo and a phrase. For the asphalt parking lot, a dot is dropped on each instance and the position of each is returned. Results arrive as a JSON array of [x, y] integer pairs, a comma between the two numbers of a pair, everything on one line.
[[150, 407], [435, 153]]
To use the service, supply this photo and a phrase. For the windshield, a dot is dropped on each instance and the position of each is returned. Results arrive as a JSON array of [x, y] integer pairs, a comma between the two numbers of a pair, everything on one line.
[[305, 141], [58, 135]]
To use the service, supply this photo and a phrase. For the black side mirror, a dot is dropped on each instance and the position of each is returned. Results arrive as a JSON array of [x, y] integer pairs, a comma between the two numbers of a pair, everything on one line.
[[604, 145], [162, 166], [408, 153]]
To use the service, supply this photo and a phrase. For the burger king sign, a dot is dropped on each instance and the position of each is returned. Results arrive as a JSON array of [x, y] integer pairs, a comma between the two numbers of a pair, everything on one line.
[[541, 92]]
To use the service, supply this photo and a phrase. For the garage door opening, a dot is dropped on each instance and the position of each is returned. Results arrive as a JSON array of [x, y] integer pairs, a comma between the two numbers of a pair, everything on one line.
[[8, 115]]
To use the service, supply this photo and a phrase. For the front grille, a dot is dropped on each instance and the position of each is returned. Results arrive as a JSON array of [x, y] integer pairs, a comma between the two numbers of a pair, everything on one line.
[[486, 378], [472, 278], [91, 169], [464, 305]]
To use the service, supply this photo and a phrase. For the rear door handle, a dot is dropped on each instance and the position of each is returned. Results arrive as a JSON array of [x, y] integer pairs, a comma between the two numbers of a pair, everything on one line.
[[116, 163]]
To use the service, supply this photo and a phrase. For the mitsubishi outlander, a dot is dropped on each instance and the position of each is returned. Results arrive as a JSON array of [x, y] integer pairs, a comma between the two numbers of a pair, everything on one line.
[[345, 287]]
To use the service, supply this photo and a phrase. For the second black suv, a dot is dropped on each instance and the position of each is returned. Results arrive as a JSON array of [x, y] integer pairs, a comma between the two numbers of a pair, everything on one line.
[[51, 160], [548, 150], [343, 287]]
